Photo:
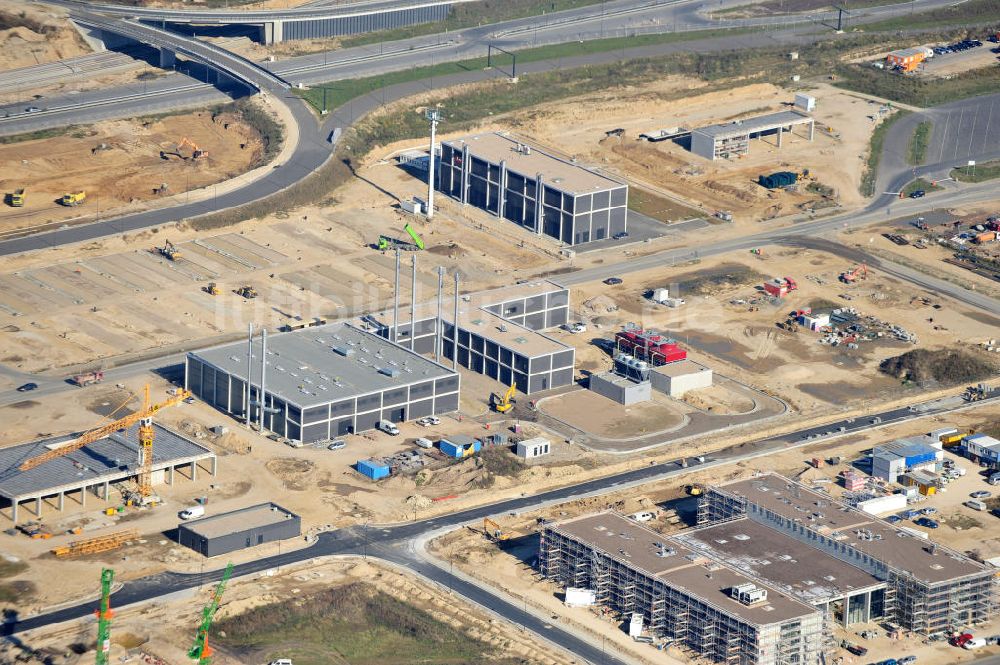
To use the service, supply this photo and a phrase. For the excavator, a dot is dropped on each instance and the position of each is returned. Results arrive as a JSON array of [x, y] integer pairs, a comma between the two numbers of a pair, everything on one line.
[[169, 251], [197, 153], [504, 403], [211, 289], [494, 532], [852, 275]]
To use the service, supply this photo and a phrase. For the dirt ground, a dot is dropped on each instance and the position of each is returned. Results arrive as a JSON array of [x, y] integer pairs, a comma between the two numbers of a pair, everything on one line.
[[134, 634], [834, 158], [32, 34], [118, 163], [512, 567]]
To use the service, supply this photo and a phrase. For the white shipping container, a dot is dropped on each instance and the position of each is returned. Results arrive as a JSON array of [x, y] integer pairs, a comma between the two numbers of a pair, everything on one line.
[[661, 295], [883, 504], [805, 102], [580, 597]]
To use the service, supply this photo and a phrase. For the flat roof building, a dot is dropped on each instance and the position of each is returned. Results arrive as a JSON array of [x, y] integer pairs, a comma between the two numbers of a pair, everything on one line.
[[929, 588], [708, 606], [533, 188], [499, 334], [93, 468], [893, 459], [323, 382], [239, 529], [732, 139]]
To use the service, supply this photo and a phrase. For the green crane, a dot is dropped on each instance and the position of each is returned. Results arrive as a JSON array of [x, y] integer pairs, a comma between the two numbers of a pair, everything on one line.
[[201, 652], [104, 615]]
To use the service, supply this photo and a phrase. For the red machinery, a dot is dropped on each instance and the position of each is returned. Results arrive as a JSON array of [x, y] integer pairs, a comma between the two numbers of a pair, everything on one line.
[[649, 345], [780, 287]]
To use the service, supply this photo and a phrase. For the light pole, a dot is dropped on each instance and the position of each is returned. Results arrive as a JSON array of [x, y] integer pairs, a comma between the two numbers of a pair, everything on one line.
[[434, 116]]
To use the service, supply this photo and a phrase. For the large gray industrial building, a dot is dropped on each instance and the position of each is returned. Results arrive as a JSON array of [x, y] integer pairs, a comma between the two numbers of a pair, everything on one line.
[[713, 609], [323, 382], [239, 529], [917, 584], [499, 334], [532, 188]]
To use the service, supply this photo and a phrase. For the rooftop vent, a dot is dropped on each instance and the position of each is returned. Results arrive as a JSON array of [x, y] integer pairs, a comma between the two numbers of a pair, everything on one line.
[[345, 351], [391, 372], [748, 593]]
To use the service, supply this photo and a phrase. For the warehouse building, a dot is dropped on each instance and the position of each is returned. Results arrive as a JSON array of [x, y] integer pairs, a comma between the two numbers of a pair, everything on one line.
[[539, 191], [916, 453], [239, 529], [499, 334], [323, 382], [928, 588], [698, 602], [94, 468], [732, 139]]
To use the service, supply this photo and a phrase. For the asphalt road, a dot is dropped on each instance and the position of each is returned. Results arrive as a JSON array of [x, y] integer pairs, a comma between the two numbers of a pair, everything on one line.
[[400, 543]]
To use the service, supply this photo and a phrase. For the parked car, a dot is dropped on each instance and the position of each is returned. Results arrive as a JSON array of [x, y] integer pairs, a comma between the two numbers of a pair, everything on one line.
[[918, 194], [981, 494], [929, 510], [429, 421], [975, 504], [620, 236], [893, 519], [578, 328], [975, 643], [612, 281], [926, 522], [423, 443], [191, 513], [27, 387], [32, 109], [906, 660], [910, 514], [337, 444], [994, 478]]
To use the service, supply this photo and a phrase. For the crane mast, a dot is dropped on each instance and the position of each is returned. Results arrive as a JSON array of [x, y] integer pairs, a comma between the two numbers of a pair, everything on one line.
[[200, 651], [104, 615]]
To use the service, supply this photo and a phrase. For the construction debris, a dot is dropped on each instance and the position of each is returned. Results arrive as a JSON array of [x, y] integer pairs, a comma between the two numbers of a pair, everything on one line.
[[106, 543]]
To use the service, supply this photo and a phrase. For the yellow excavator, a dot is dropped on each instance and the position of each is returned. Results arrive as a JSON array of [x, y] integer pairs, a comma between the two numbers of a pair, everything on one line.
[[504, 403], [169, 251], [493, 531]]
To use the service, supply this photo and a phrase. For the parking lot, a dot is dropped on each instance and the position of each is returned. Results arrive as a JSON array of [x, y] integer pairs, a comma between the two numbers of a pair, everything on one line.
[[958, 57]]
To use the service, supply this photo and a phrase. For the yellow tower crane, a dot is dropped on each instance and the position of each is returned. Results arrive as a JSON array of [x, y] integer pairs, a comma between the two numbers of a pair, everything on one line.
[[145, 419]]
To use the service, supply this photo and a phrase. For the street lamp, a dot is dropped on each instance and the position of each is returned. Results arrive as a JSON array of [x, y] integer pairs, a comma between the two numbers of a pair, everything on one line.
[[434, 116]]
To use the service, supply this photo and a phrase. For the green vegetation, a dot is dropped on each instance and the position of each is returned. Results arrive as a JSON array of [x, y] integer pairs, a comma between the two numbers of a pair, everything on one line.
[[498, 461], [978, 173], [351, 625], [917, 152], [271, 133], [918, 90], [340, 92], [658, 207], [946, 367], [468, 15], [961, 14], [920, 184], [779, 7], [875, 153], [38, 134]]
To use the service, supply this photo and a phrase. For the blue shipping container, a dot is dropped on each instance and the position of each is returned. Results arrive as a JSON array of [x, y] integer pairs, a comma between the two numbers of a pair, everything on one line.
[[373, 470], [460, 450]]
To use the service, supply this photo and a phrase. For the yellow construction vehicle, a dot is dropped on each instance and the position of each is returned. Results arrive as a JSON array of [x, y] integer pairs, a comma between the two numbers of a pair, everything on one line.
[[169, 251], [73, 199], [696, 489], [17, 198], [197, 153], [211, 289], [505, 402], [145, 419], [246, 291], [493, 531]]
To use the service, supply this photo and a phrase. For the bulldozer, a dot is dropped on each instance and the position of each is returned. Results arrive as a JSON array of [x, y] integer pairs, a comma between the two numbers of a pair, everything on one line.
[[211, 289], [73, 199], [16, 199], [504, 403], [169, 251], [246, 291]]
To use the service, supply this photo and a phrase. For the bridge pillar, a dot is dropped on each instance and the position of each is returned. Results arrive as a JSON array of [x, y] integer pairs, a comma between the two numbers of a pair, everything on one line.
[[273, 32], [167, 58]]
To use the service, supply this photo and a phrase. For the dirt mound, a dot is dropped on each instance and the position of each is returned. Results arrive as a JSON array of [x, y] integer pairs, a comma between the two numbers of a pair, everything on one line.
[[30, 36], [943, 366], [293, 473]]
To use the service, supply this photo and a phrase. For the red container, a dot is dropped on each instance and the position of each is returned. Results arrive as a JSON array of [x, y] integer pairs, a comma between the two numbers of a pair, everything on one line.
[[650, 346]]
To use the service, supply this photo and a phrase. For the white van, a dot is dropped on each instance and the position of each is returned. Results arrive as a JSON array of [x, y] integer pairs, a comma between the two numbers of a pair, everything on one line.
[[388, 427], [975, 504], [191, 513], [423, 443]]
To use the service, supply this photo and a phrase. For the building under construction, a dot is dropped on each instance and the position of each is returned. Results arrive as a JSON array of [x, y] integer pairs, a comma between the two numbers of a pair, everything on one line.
[[93, 468], [715, 610], [919, 585]]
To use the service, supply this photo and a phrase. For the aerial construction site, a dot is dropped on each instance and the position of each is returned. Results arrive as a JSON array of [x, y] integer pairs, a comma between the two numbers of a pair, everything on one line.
[[618, 333]]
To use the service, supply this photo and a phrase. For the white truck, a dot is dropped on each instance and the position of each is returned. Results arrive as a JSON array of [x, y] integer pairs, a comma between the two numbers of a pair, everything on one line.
[[192, 512], [388, 427]]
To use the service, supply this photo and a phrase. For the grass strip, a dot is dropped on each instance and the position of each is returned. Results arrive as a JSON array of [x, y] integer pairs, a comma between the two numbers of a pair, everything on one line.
[[875, 152], [916, 154]]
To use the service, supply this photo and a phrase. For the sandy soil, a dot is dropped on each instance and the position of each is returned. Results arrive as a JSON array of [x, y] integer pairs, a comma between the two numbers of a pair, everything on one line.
[[33, 34], [119, 162], [134, 633], [511, 567], [834, 157]]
